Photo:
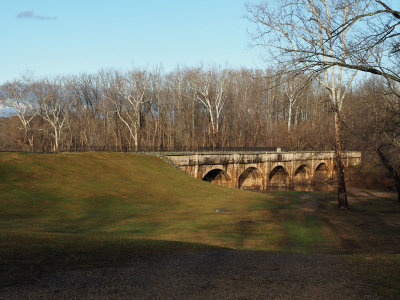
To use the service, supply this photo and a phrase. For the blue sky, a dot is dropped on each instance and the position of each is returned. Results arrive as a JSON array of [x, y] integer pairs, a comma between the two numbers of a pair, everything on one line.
[[52, 37]]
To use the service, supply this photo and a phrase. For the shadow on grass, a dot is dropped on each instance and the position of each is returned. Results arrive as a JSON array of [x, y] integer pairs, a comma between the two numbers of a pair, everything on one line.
[[24, 257], [381, 271]]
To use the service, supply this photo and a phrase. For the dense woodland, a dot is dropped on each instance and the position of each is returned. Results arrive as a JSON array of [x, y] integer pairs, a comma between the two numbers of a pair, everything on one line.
[[187, 109]]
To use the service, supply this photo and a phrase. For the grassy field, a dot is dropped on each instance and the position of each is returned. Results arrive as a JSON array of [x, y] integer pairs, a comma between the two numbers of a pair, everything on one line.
[[79, 210]]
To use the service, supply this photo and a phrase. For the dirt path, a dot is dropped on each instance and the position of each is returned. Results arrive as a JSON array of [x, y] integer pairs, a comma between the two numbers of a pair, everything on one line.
[[216, 274]]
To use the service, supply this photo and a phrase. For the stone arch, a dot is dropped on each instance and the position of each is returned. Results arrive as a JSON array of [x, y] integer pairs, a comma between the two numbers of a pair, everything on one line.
[[251, 179], [217, 176], [279, 176], [322, 172], [302, 175]]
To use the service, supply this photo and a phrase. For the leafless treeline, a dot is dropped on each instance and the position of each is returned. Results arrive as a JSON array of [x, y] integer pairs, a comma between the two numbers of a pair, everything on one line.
[[186, 109]]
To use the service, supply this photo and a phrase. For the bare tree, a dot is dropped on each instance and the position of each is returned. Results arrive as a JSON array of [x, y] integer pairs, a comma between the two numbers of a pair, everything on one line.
[[294, 85], [18, 95], [377, 51], [299, 34], [53, 102], [209, 88], [380, 132], [388, 141], [86, 116], [127, 93], [376, 44]]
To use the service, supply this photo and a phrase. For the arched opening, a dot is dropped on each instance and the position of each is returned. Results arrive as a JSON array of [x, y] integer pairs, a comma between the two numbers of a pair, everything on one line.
[[321, 172], [302, 175], [279, 177], [217, 176], [251, 179]]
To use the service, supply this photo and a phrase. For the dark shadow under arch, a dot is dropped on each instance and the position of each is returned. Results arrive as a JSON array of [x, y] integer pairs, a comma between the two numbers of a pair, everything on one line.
[[322, 167], [279, 176], [322, 172], [217, 176], [251, 179], [302, 175]]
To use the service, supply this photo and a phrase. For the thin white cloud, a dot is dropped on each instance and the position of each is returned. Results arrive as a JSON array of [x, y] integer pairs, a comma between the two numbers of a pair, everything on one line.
[[29, 14]]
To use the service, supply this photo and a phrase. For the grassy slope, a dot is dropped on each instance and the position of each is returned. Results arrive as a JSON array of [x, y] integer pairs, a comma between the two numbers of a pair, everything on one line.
[[75, 210], [128, 195]]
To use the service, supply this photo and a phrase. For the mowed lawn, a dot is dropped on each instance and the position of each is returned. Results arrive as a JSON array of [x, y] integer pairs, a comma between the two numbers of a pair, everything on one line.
[[77, 210]]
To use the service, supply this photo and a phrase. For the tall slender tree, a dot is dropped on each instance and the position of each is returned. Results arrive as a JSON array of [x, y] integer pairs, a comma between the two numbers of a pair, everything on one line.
[[18, 96], [210, 90], [300, 34], [53, 100]]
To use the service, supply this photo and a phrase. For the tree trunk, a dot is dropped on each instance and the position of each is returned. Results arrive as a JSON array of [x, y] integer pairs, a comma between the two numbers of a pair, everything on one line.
[[136, 141], [55, 140], [395, 175], [289, 115], [342, 194], [398, 190]]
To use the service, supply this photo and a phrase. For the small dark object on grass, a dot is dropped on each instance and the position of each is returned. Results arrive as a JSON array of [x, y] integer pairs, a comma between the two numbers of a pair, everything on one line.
[[245, 222]]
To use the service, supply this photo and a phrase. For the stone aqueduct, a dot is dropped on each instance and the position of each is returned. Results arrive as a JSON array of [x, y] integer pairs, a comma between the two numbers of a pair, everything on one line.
[[256, 170]]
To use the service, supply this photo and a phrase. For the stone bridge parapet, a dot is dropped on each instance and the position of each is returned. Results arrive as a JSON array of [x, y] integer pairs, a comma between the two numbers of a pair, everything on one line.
[[259, 170]]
